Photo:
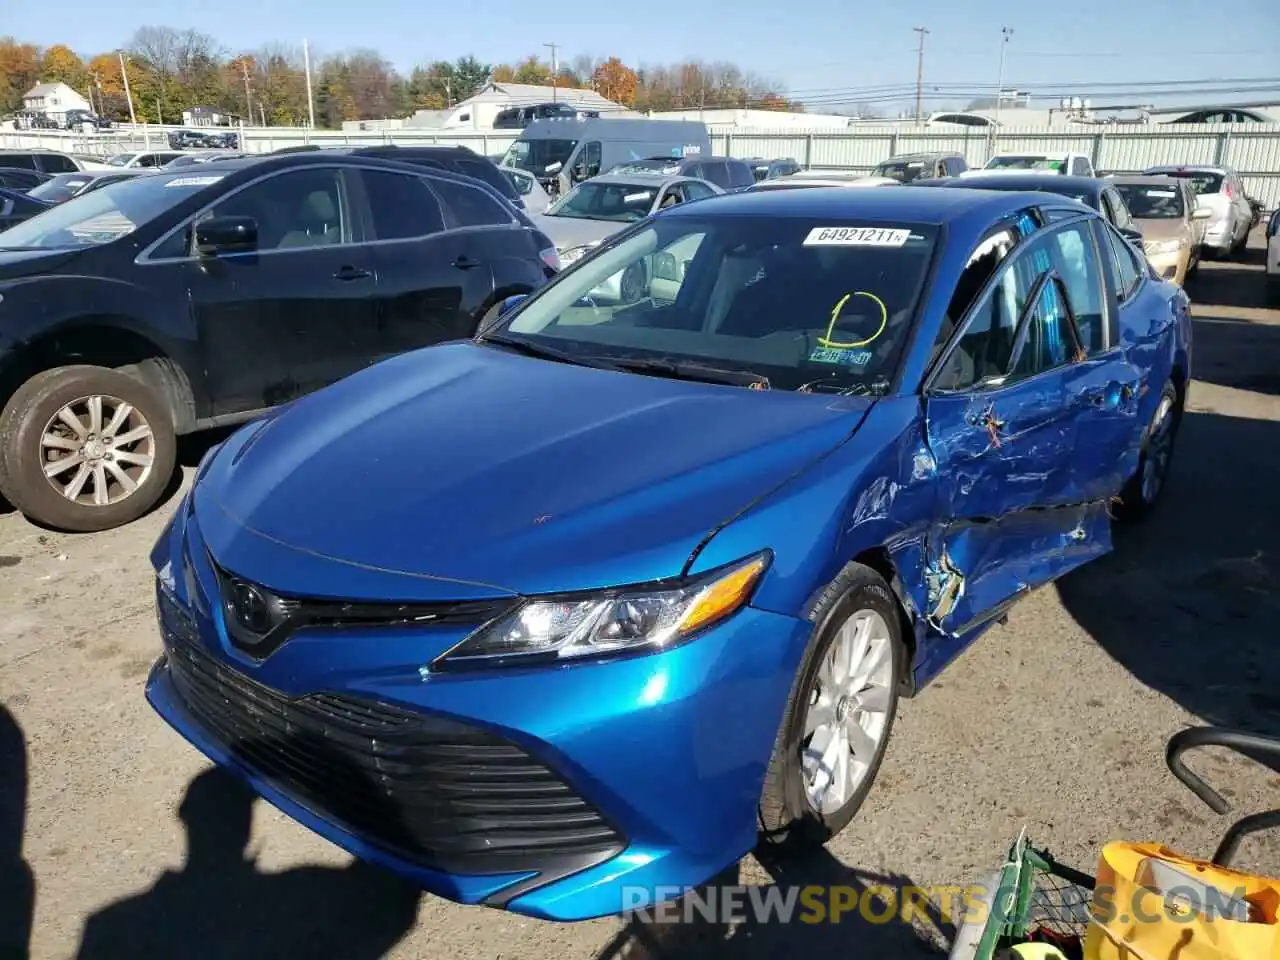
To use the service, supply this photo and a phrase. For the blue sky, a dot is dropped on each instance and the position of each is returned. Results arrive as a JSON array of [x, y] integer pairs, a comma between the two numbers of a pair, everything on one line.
[[819, 49]]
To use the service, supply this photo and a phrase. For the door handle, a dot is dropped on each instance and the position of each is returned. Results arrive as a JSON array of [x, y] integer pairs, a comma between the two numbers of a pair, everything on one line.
[[466, 263], [351, 273]]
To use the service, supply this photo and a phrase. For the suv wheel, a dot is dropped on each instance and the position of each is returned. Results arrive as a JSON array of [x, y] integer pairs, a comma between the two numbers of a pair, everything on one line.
[[85, 448]]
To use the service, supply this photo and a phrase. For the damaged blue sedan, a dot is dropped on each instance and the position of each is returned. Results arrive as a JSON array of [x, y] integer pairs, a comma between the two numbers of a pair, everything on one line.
[[566, 617]]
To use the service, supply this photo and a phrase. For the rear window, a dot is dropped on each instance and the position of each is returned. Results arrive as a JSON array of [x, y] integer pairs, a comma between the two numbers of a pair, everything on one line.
[[484, 171], [904, 171], [1027, 162], [1202, 181]]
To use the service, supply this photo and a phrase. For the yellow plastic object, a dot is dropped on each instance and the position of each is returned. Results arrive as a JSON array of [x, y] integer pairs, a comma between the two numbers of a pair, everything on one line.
[[1151, 903], [1038, 951]]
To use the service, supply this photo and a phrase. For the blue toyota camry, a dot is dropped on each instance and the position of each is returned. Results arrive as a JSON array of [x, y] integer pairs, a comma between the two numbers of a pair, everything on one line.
[[592, 602]]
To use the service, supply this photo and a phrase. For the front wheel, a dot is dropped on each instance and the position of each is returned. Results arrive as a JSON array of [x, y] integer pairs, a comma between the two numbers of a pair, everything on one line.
[[1143, 490], [85, 448], [840, 714]]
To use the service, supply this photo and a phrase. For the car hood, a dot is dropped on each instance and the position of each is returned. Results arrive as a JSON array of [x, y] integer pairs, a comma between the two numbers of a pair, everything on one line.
[[569, 232], [464, 470], [1163, 228], [15, 264]]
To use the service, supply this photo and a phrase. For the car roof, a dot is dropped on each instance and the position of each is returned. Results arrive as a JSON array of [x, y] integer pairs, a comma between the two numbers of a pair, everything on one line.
[[1031, 180], [907, 203], [1189, 168], [922, 155], [642, 180]]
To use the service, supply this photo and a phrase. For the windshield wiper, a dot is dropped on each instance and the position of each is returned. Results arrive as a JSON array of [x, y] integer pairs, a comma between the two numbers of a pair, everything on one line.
[[543, 352], [842, 387], [690, 370]]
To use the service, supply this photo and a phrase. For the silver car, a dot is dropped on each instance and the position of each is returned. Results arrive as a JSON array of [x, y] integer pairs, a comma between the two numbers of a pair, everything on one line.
[[598, 208], [1226, 231]]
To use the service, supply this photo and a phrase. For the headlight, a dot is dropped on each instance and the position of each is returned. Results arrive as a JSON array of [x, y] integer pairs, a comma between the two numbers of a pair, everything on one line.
[[632, 619], [1157, 248], [574, 254]]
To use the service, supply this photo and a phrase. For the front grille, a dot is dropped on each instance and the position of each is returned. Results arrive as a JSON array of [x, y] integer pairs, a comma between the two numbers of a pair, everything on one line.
[[442, 794]]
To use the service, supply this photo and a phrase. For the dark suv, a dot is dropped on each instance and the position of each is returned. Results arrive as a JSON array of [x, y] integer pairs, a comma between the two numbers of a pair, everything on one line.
[[728, 174], [42, 161], [174, 301]]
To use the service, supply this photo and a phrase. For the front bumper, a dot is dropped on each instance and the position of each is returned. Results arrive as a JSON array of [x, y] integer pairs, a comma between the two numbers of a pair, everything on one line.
[[553, 792], [1171, 266]]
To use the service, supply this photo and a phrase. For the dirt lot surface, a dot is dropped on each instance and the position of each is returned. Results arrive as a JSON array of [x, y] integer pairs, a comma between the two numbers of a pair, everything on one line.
[[1056, 722]]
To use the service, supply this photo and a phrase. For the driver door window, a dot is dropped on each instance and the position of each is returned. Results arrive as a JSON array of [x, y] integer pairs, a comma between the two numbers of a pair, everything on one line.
[[295, 210], [590, 159]]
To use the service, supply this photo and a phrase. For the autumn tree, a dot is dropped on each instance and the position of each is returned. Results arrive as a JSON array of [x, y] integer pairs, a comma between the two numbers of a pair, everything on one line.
[[61, 64], [615, 81], [531, 70], [19, 72]]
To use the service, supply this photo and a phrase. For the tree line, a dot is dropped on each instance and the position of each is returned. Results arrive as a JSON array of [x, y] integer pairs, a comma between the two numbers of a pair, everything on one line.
[[170, 70]]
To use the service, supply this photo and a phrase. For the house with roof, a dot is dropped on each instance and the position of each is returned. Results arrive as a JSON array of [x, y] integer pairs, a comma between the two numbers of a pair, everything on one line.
[[54, 100], [481, 109]]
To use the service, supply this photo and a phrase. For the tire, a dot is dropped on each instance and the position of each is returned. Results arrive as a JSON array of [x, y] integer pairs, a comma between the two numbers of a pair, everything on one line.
[[1137, 499], [147, 461], [787, 811]]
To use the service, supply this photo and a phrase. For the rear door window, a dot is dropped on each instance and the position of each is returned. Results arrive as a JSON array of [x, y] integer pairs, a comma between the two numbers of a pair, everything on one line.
[[57, 163], [24, 161], [468, 207], [401, 205]]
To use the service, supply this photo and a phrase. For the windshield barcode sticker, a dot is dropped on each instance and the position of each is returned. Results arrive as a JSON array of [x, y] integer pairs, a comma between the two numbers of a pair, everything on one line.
[[856, 237], [1161, 193], [192, 181]]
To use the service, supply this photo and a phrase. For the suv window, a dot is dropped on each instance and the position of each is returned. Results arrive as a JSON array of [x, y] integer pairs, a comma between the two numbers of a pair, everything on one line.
[[470, 207], [402, 205], [1128, 271], [57, 163], [740, 174], [22, 161], [294, 210], [715, 171]]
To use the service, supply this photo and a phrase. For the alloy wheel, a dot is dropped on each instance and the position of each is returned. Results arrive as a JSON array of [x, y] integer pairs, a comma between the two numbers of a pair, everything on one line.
[[848, 712], [97, 450]]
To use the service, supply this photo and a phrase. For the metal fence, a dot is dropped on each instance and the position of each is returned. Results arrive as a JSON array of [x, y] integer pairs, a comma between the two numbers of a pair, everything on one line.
[[1252, 149]]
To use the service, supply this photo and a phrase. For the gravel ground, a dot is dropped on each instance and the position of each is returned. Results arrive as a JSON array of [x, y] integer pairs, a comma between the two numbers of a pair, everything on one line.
[[1056, 722]]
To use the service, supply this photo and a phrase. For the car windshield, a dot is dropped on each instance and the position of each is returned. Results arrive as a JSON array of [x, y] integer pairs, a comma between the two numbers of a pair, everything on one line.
[[593, 200], [804, 303], [61, 188], [100, 216], [537, 155], [1202, 181], [904, 171], [1152, 202], [1026, 162]]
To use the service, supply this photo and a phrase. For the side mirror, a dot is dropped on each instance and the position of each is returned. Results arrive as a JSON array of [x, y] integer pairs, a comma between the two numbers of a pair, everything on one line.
[[510, 303], [223, 235], [1202, 213]]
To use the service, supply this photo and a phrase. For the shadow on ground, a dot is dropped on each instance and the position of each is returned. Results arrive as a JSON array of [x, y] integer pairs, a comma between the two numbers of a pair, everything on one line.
[[1189, 602], [17, 882], [221, 905], [1237, 353], [1238, 282], [713, 923]]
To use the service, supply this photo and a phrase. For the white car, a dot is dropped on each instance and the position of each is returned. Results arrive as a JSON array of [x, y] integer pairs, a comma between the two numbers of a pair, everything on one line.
[[536, 199], [143, 158], [1226, 231], [1069, 164]]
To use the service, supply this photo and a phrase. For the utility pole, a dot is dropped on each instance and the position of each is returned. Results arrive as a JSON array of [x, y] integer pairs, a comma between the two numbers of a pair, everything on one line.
[[248, 104], [306, 66], [555, 66], [1005, 34], [923, 31], [124, 75]]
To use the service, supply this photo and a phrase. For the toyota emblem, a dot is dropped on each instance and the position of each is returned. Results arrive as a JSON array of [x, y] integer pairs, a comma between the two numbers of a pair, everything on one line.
[[250, 608]]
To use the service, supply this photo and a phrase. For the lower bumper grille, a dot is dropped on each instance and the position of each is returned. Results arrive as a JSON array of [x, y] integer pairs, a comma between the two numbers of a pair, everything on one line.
[[442, 794]]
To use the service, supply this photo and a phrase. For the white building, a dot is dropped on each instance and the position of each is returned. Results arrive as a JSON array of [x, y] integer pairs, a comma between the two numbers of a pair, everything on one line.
[[53, 100], [719, 119], [480, 110]]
